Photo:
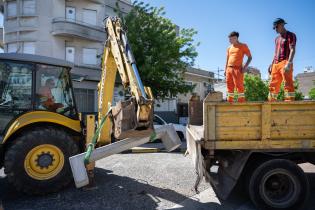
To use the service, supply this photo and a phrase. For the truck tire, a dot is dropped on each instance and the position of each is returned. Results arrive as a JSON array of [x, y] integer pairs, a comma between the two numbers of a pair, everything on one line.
[[37, 162], [279, 184]]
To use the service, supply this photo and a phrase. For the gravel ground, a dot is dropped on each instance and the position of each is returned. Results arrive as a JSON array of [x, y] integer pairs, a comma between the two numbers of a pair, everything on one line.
[[137, 181], [125, 181]]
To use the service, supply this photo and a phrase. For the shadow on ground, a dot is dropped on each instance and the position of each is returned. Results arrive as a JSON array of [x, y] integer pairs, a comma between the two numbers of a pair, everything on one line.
[[117, 192], [239, 200], [113, 192]]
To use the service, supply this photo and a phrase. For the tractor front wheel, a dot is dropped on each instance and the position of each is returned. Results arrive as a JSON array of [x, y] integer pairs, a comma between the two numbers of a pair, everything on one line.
[[38, 160]]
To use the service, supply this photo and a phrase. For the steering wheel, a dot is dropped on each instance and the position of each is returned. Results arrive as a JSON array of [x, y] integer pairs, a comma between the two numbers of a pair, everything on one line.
[[65, 110]]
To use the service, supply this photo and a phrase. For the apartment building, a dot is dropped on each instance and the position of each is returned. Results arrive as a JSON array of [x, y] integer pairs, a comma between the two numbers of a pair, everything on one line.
[[73, 30], [306, 80], [66, 29]]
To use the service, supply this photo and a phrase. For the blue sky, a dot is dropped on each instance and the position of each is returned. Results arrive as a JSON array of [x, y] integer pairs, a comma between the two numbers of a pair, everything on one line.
[[215, 19]]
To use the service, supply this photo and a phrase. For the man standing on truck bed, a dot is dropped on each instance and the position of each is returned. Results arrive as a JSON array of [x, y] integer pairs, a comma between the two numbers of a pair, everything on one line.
[[281, 68], [234, 69]]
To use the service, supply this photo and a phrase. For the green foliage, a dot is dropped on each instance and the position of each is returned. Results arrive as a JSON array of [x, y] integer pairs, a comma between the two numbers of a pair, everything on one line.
[[312, 93], [162, 52], [255, 88], [298, 95]]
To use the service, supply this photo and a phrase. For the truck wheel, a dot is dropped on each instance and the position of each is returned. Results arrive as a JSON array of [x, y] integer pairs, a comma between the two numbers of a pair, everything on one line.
[[279, 184], [37, 162]]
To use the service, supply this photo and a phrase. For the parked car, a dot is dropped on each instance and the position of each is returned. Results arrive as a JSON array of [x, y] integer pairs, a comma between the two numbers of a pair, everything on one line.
[[180, 129]]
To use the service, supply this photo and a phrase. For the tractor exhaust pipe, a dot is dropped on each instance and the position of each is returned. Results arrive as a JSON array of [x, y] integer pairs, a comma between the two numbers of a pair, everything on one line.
[[166, 133]]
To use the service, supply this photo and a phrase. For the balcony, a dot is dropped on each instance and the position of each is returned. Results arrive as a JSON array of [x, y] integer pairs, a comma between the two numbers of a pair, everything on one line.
[[93, 1], [74, 28], [98, 1]]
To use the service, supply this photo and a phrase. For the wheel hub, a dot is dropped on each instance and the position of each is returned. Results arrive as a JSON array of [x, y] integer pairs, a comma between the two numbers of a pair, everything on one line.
[[278, 188], [275, 185], [45, 160]]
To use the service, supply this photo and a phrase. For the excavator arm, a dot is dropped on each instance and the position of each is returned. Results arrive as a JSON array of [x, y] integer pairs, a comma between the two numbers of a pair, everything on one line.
[[129, 121], [132, 117]]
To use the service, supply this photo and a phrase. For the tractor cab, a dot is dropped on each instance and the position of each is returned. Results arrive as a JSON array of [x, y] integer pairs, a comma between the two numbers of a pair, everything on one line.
[[34, 83]]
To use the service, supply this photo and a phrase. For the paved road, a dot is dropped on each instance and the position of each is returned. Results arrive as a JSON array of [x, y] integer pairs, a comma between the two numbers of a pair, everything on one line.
[[135, 181]]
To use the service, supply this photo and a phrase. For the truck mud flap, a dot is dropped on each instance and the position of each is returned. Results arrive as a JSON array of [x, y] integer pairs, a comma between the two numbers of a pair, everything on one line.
[[1, 155], [224, 181], [194, 150], [228, 173]]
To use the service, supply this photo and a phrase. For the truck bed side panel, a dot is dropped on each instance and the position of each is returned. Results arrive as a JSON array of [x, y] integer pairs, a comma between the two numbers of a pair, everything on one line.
[[280, 125]]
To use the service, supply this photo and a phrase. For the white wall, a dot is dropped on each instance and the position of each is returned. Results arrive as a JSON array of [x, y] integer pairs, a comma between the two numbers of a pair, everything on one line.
[[221, 87], [166, 105]]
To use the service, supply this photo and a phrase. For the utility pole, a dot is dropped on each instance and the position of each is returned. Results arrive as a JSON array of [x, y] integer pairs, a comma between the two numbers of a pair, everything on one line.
[[219, 70]]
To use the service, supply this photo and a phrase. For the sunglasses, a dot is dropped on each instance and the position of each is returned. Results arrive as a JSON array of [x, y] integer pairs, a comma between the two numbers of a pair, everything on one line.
[[276, 26]]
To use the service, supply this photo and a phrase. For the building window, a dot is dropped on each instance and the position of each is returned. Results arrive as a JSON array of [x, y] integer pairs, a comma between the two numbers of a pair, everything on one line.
[[70, 14], [197, 88], [29, 7], [189, 83], [70, 52], [89, 16], [89, 56], [12, 47], [12, 9], [85, 99], [29, 47]]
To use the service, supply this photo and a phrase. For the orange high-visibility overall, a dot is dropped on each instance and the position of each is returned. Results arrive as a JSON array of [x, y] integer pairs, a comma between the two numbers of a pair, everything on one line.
[[235, 80], [234, 74], [277, 76]]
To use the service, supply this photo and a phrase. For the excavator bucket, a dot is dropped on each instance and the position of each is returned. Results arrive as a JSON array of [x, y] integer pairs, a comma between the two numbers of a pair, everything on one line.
[[126, 124], [166, 133]]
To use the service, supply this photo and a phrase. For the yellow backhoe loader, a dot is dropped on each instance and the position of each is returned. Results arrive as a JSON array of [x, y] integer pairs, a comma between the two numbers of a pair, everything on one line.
[[40, 127]]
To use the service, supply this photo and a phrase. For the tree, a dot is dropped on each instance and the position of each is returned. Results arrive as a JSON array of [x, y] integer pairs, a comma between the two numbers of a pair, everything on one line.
[[312, 93], [255, 88], [162, 52]]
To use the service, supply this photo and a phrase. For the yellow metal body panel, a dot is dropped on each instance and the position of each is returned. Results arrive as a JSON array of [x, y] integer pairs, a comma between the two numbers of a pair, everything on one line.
[[41, 116], [259, 125], [106, 92]]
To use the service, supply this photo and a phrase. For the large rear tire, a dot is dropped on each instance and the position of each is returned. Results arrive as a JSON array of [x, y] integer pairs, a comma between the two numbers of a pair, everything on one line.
[[279, 184], [38, 160]]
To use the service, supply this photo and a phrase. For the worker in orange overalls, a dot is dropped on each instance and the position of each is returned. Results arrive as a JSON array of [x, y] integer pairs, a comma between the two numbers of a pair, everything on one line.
[[234, 69], [281, 68]]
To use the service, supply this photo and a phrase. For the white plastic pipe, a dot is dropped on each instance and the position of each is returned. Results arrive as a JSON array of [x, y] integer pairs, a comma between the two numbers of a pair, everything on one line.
[[167, 133]]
